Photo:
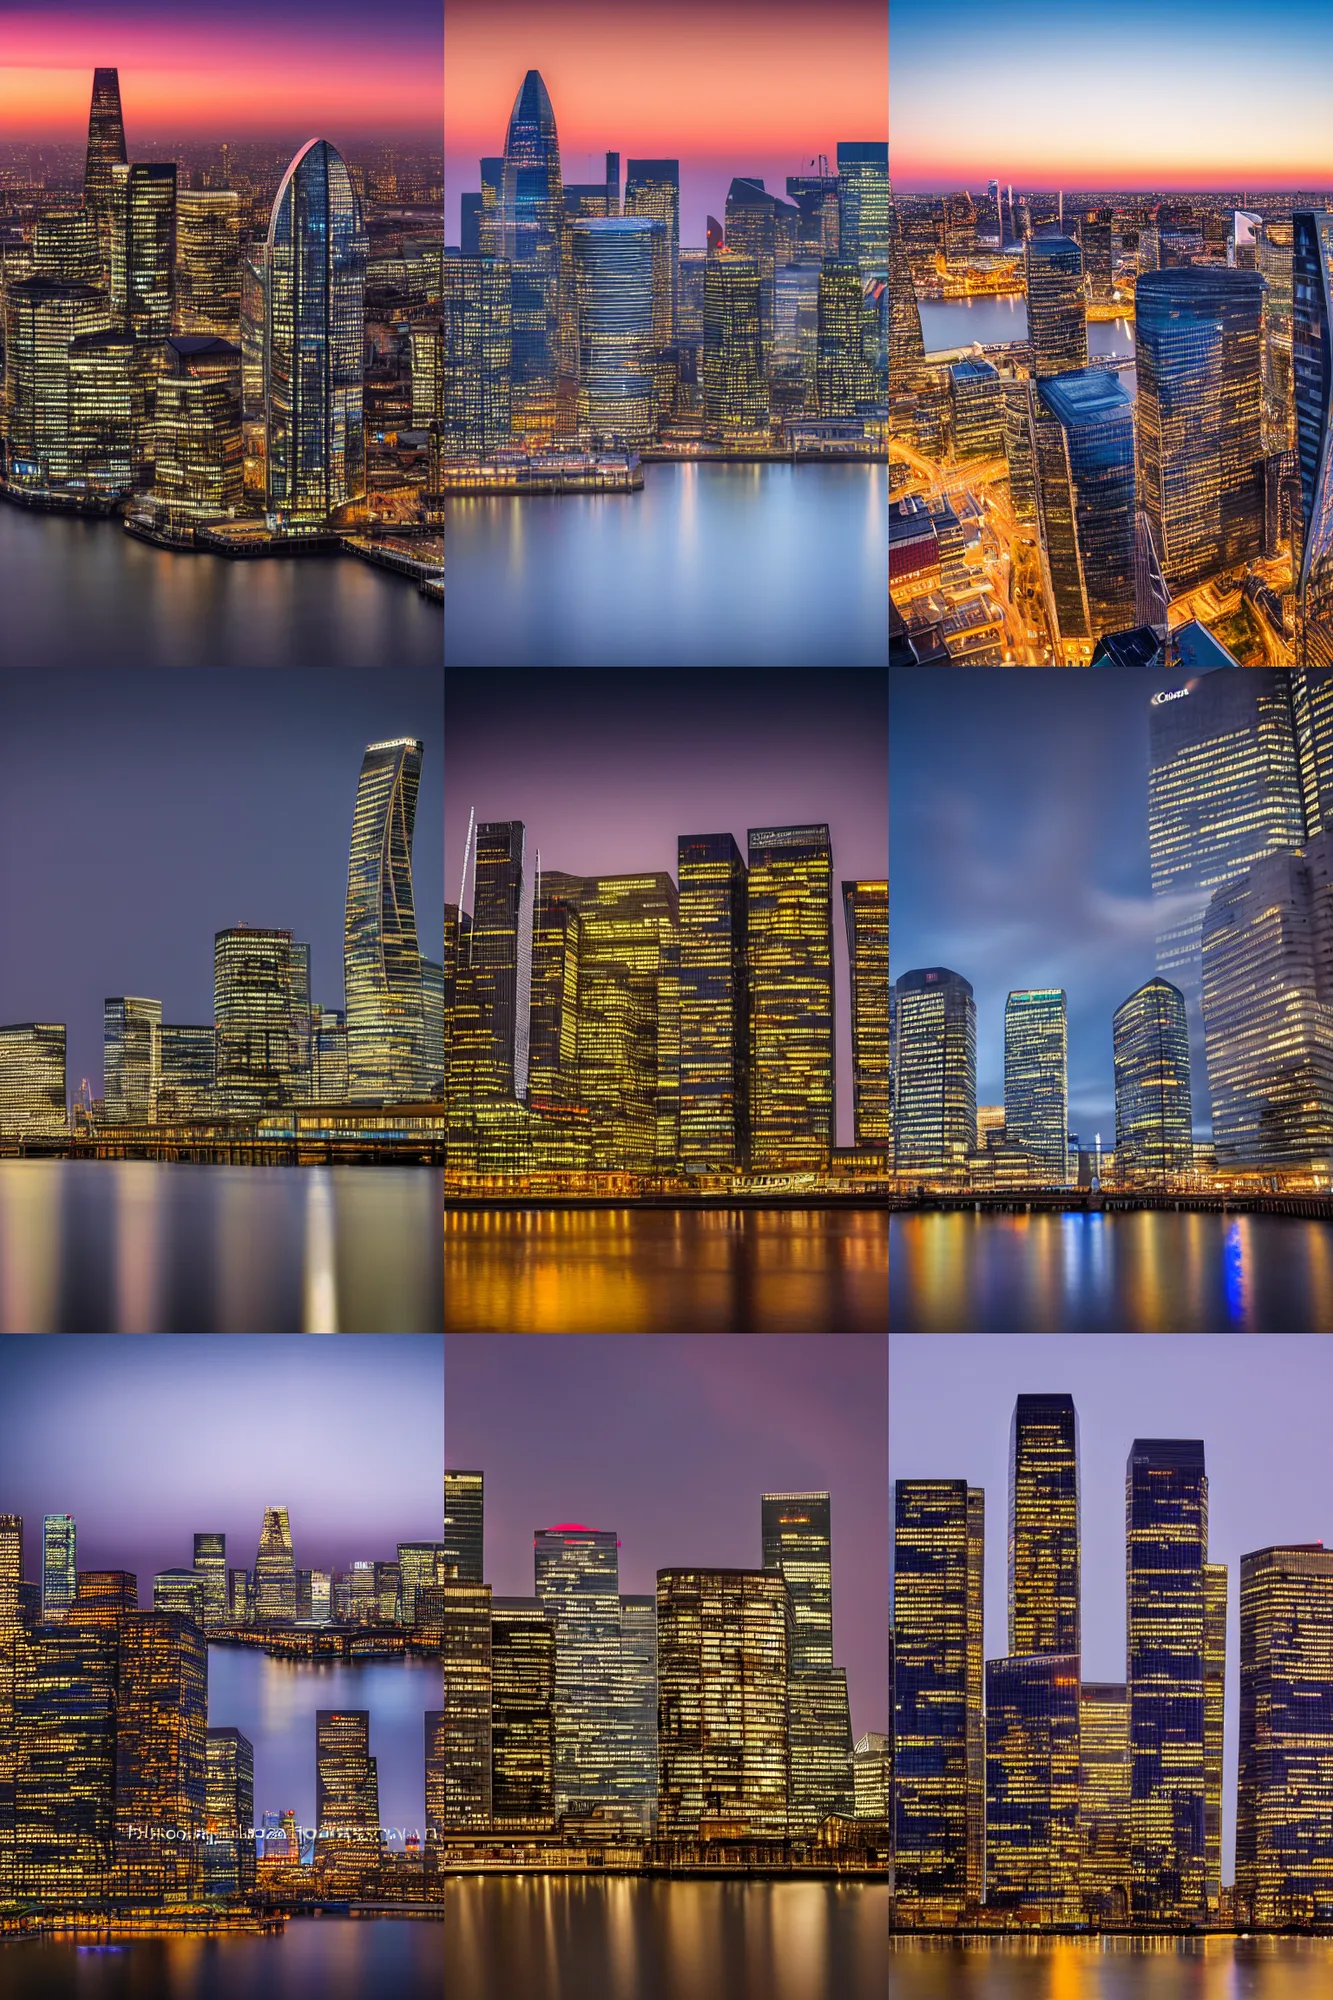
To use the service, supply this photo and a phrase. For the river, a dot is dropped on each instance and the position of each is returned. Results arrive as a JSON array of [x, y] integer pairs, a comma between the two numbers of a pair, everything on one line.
[[84, 593], [958, 322], [621, 1938], [327, 1958], [599, 1270], [1141, 1272], [709, 566], [1112, 1969], [135, 1247]]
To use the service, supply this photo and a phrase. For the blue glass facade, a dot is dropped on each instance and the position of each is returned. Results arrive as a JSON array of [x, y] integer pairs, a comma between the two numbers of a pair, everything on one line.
[[532, 204]]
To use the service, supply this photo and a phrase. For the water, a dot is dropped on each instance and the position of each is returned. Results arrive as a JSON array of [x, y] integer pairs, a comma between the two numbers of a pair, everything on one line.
[[79, 592], [332, 1957], [711, 565], [274, 1701], [623, 1938], [134, 1247], [1137, 1273], [958, 322], [1114, 1969], [598, 1270]]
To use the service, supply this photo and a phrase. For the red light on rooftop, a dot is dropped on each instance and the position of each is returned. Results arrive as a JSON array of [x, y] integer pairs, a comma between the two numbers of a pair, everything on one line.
[[569, 1528]]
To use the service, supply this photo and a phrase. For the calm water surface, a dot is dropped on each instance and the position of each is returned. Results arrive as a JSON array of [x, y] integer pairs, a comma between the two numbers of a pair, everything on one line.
[[1150, 1273], [134, 1247], [666, 1271], [1114, 1969], [957, 322], [594, 1938], [326, 1958], [80, 593], [274, 1703], [711, 565]]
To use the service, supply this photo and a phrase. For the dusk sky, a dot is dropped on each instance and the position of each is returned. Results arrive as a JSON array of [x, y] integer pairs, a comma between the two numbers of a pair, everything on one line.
[[672, 1440], [749, 87], [144, 811], [1019, 844], [607, 770], [1198, 94], [1258, 1401], [252, 69], [147, 1441]]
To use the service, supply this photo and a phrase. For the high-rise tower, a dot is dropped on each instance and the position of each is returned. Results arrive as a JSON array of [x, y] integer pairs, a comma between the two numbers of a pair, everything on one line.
[[314, 338], [714, 1004], [1044, 1526], [532, 205], [381, 959], [1036, 1084], [106, 140], [275, 1571], [790, 940]]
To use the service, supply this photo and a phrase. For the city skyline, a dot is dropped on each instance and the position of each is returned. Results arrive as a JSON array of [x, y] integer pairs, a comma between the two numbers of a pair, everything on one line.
[[814, 752], [270, 71], [950, 1403], [173, 753], [597, 62], [81, 1419], [748, 1414]]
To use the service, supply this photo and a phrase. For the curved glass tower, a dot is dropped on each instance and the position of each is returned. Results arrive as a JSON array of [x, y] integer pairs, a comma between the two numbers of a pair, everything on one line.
[[532, 208], [381, 961], [314, 339], [613, 262], [1312, 376]]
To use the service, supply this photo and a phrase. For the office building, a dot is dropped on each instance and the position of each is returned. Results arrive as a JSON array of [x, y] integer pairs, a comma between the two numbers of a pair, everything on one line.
[[1057, 310], [1284, 1798], [724, 1647], [43, 318], [714, 1004], [790, 946], [762, 228], [435, 1795], [628, 1018], [161, 1728], [60, 1576], [257, 1001], [865, 907], [420, 1565], [523, 1666], [106, 140], [229, 1862], [188, 1082], [148, 193], [531, 210], [577, 1582], [614, 265], [1044, 1546], [347, 1806], [131, 1060], [1154, 1135], [1032, 1779], [314, 338], [934, 1083], [1199, 411], [1105, 1873], [939, 1778], [210, 1567], [477, 364], [1083, 458], [32, 1079], [1036, 1083], [464, 1800], [208, 263], [635, 1771], [863, 203], [463, 1521], [64, 1768], [735, 388], [197, 446], [652, 189], [381, 959], [109, 439], [275, 1571]]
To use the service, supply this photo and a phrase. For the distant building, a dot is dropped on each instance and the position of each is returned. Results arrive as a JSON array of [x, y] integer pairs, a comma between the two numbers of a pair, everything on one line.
[[32, 1079], [1036, 1081], [1154, 1135], [934, 1073], [229, 1864]]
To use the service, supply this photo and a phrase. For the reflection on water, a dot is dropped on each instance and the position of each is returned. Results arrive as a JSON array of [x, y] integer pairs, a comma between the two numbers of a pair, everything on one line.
[[334, 1958], [134, 1247], [626, 1270], [274, 1702], [620, 1938], [1113, 1969], [1141, 1273]]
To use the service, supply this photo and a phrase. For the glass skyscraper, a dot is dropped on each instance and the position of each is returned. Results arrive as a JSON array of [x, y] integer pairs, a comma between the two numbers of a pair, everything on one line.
[[714, 1004], [466, 1664], [1057, 312], [275, 1571], [532, 205], [865, 908], [1044, 1545], [463, 1523], [1032, 1786], [934, 1089], [522, 1715], [1154, 1133], [1036, 1081], [790, 944], [1312, 395], [60, 1576], [1284, 1797], [735, 388], [131, 1060], [577, 1582], [314, 338], [381, 959], [1084, 464], [614, 262], [1104, 1801], [106, 139]]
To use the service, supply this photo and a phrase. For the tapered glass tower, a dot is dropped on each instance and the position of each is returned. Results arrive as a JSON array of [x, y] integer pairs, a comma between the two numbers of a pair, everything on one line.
[[314, 337], [532, 203], [381, 959], [106, 139]]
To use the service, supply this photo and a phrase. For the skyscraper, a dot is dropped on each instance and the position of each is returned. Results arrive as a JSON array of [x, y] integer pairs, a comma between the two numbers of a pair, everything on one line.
[[346, 1795], [149, 250], [844, 376], [797, 1541], [863, 203], [1154, 1134], [635, 1774], [229, 1813], [1044, 1543], [938, 1729], [714, 1004], [614, 263], [735, 390], [106, 139], [495, 953], [865, 907], [906, 347], [1268, 1012], [131, 1060], [1166, 1553], [32, 1078], [466, 1662], [210, 1566], [1284, 1793], [314, 336], [1036, 1084], [724, 1647], [532, 206], [477, 355], [275, 1571], [1104, 1801], [934, 1084], [576, 1573], [1032, 1786], [1199, 417], [652, 188], [463, 1502], [790, 946], [257, 1004], [522, 1715], [60, 1575], [629, 1019], [1057, 312], [161, 1724], [381, 959], [1083, 457], [1312, 394], [208, 262]]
